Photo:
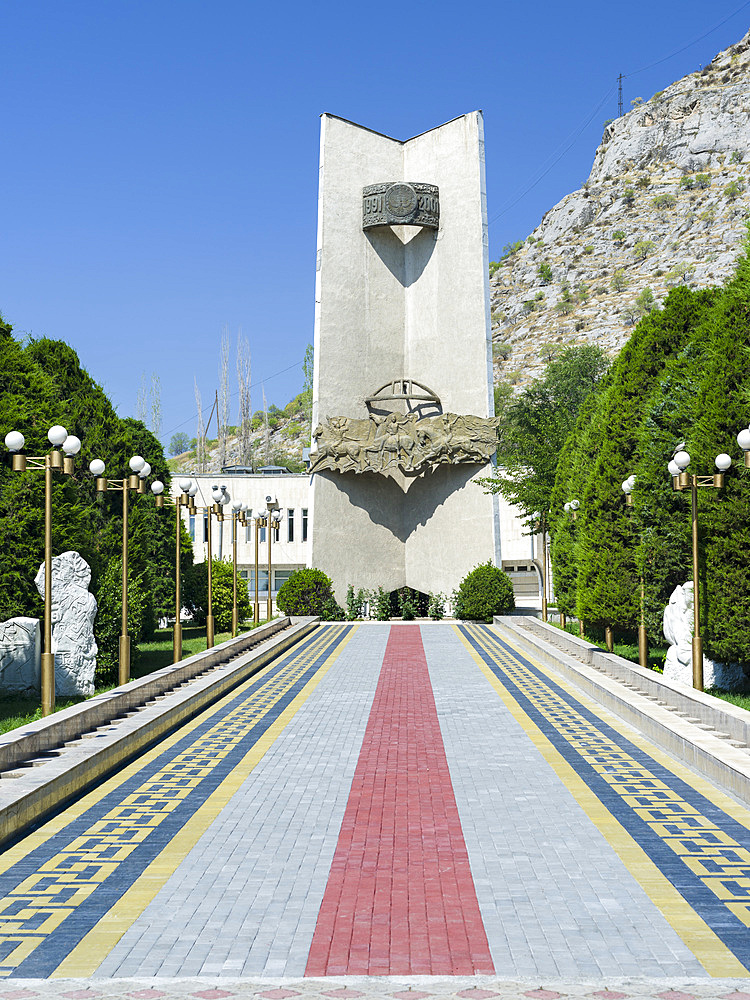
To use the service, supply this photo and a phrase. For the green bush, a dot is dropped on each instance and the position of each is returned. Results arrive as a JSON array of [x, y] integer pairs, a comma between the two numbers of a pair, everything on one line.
[[510, 249], [484, 592], [619, 281], [407, 606], [195, 594], [436, 606], [643, 248], [331, 611], [619, 235], [664, 201], [108, 621], [308, 592], [703, 180], [734, 190], [382, 605], [355, 603], [544, 273]]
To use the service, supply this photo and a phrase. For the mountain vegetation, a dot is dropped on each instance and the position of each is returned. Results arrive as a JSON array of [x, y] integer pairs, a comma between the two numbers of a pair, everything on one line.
[[663, 207]]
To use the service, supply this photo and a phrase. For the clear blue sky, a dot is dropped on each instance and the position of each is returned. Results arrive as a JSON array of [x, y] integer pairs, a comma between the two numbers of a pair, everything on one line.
[[158, 178]]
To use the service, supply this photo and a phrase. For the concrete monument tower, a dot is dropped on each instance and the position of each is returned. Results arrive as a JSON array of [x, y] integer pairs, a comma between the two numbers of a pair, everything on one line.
[[402, 399]]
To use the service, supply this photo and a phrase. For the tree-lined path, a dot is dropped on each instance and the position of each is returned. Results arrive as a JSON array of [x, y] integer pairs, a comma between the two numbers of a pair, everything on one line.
[[386, 800]]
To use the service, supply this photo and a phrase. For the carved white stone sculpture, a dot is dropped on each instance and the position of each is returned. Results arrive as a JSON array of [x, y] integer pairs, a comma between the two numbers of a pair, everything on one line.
[[20, 648], [73, 614], [678, 631]]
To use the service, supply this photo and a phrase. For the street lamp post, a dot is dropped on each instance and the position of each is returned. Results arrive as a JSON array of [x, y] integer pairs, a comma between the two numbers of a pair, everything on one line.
[[49, 463], [273, 519], [260, 522], [543, 525], [140, 470], [682, 480], [220, 497], [627, 489], [188, 491], [571, 507], [238, 518]]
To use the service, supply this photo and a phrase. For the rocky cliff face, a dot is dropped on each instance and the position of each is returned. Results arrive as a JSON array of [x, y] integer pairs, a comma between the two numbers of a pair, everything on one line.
[[666, 202]]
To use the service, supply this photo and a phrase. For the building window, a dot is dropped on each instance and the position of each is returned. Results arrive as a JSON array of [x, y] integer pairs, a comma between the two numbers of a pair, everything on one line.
[[280, 576], [249, 526], [191, 529], [290, 525], [304, 524], [262, 583], [263, 533], [205, 528]]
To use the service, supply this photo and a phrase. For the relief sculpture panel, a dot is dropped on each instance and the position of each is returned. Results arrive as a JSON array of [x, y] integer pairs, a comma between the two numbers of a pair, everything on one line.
[[402, 441]]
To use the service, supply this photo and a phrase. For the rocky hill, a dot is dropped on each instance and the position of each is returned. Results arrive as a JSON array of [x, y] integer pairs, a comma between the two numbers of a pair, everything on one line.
[[286, 441], [666, 202]]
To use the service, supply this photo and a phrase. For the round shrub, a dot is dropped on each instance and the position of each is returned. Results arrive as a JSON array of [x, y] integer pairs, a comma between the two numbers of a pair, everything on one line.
[[484, 592], [307, 592]]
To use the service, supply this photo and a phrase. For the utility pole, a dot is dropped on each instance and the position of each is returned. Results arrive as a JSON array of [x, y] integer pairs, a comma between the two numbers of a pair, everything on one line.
[[619, 96]]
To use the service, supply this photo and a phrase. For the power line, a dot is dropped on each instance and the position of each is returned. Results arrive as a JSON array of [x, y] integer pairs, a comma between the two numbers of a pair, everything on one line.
[[620, 78], [557, 159], [232, 395], [684, 47]]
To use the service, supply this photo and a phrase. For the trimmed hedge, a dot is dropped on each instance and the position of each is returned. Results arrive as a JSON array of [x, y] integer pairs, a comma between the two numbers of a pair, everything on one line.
[[309, 592], [484, 592]]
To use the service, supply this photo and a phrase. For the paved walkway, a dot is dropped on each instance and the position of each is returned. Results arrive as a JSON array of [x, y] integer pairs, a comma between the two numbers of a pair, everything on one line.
[[396, 811]]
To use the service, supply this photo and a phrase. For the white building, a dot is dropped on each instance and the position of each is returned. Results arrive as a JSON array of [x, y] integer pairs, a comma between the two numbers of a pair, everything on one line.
[[291, 545]]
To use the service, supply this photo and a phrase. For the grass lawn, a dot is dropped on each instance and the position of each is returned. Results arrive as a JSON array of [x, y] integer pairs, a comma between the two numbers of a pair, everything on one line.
[[628, 650], [741, 700], [656, 656], [16, 710]]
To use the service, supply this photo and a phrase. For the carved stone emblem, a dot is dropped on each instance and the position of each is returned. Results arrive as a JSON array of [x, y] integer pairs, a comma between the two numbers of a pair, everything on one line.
[[400, 203], [401, 200], [20, 649], [402, 441], [73, 613]]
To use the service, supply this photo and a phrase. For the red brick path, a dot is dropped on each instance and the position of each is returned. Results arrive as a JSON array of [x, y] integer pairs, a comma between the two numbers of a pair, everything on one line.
[[400, 899]]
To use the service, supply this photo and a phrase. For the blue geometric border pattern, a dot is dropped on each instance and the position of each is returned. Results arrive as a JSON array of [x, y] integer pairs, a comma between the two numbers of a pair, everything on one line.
[[52, 898], [700, 849]]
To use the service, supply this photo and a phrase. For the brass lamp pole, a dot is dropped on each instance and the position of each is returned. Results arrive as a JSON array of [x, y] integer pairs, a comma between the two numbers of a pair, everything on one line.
[[627, 489], [260, 522], [273, 519], [140, 470], [49, 463], [238, 518], [571, 507], [543, 523], [682, 480], [220, 497], [184, 500]]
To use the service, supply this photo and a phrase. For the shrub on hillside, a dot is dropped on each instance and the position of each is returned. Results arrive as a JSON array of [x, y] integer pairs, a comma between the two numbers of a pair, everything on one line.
[[484, 592], [308, 592]]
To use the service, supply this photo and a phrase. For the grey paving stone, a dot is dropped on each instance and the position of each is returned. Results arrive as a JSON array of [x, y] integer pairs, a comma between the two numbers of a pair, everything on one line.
[[560, 877], [272, 844]]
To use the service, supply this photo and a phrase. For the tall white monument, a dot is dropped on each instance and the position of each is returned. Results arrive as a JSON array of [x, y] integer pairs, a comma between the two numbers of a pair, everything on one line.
[[402, 399]]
